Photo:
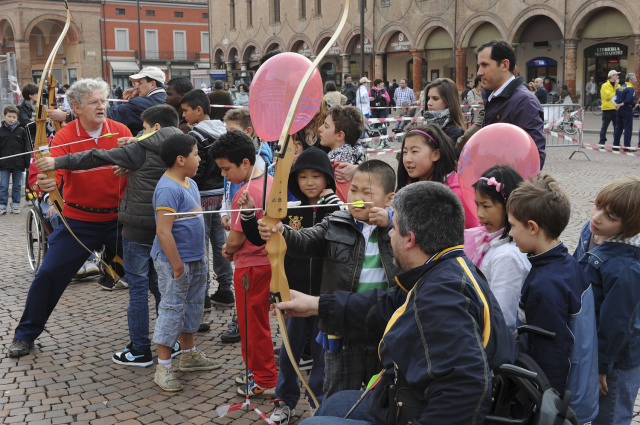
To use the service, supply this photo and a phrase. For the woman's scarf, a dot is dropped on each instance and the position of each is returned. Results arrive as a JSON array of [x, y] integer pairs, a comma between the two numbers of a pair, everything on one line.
[[476, 243], [440, 118]]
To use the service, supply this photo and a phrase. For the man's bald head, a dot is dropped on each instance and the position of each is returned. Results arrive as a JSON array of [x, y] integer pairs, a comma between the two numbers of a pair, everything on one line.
[[538, 82]]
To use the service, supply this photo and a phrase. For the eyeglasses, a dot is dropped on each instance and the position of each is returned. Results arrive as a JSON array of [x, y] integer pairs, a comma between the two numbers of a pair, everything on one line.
[[96, 103]]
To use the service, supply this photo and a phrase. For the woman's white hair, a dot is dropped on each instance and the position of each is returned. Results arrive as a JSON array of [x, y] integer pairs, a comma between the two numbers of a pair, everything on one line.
[[84, 88]]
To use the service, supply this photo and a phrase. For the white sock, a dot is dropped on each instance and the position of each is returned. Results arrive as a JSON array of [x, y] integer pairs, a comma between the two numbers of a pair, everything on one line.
[[165, 363], [191, 350]]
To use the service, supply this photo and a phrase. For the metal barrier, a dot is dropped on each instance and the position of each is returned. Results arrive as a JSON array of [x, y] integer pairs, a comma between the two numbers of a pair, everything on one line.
[[9, 90], [563, 126]]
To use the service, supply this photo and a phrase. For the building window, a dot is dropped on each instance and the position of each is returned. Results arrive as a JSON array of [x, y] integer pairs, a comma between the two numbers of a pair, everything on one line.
[[232, 14], [250, 13], [122, 39], [119, 11], [205, 15], [150, 12], [275, 11], [318, 7], [177, 14], [303, 9], [204, 42]]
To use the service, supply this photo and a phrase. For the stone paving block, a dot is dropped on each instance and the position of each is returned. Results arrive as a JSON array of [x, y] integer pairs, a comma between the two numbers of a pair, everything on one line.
[[150, 418], [34, 417], [62, 420]]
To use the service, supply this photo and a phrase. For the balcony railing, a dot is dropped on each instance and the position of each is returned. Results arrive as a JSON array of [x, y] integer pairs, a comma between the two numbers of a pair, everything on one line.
[[170, 55]]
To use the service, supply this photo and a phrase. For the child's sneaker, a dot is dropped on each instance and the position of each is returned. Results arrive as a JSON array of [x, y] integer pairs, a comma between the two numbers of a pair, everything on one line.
[[130, 357], [256, 390], [232, 334], [282, 413], [166, 380], [196, 360], [223, 298], [15, 209], [176, 350], [242, 379]]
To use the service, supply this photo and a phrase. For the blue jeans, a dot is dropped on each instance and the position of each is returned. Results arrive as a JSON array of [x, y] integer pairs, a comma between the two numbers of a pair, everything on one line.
[[182, 302], [334, 409], [214, 232], [142, 279], [616, 408], [16, 176], [288, 387], [61, 262]]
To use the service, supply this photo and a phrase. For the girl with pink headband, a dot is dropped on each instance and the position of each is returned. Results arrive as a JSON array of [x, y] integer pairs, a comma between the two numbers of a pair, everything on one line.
[[428, 155]]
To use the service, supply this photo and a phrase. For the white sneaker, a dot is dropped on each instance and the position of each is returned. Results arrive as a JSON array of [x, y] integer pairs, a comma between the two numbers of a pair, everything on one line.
[[15, 209], [282, 414], [91, 268], [82, 272]]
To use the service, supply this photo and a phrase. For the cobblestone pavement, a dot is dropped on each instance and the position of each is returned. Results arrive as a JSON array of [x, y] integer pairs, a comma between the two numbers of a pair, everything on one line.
[[70, 378]]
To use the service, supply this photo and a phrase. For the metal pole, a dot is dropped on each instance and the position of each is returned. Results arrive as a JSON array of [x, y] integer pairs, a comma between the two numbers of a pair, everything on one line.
[[455, 40], [139, 36], [373, 42], [564, 42], [362, 37]]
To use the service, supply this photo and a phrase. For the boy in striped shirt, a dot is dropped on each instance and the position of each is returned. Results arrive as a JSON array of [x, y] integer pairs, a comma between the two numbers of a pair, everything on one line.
[[356, 251]]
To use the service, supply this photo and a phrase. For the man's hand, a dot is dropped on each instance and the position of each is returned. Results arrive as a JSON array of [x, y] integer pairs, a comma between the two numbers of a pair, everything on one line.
[[227, 256], [123, 141], [46, 184], [344, 172], [46, 164], [379, 217], [130, 93], [120, 171], [603, 384], [225, 221], [57, 115], [178, 271], [266, 231], [301, 305]]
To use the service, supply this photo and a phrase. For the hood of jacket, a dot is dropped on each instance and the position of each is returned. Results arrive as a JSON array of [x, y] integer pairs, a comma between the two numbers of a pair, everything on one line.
[[216, 128], [632, 241], [315, 159]]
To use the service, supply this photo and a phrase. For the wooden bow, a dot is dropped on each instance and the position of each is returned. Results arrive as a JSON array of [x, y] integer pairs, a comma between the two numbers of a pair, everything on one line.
[[52, 86], [276, 206], [41, 148]]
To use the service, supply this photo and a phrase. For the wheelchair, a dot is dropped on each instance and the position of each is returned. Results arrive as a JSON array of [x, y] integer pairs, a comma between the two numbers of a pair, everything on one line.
[[38, 231]]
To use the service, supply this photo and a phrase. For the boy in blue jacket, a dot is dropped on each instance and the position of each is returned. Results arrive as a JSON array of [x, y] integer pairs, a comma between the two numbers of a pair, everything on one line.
[[556, 295], [609, 253]]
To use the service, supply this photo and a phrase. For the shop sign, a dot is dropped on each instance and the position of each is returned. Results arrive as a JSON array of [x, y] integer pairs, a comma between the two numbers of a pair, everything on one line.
[[604, 50], [398, 43], [368, 47], [255, 56], [334, 50], [199, 72], [304, 50]]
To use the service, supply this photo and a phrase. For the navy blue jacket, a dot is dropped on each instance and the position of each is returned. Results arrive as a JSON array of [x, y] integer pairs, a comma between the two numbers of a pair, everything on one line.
[[541, 94], [551, 294], [625, 95], [128, 113], [14, 141], [613, 268], [444, 331], [518, 106]]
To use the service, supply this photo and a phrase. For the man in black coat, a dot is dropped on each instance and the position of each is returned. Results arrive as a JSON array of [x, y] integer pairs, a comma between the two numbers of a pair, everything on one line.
[[349, 89], [541, 93]]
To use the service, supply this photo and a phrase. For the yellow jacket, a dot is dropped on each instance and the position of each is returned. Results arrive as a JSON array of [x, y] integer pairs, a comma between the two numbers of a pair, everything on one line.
[[607, 91]]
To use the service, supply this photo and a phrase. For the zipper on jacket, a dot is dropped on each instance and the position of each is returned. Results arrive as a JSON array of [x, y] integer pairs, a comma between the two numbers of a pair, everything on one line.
[[355, 269], [386, 274]]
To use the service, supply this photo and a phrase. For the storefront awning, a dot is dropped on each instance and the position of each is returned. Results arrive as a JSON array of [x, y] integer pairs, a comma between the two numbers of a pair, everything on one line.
[[124, 67]]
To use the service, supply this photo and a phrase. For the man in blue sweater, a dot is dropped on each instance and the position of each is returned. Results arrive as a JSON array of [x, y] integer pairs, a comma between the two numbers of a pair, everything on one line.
[[624, 104], [147, 91]]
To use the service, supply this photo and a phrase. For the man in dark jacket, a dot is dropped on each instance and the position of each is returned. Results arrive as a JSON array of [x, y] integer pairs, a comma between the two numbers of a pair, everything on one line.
[[349, 89], [425, 367], [148, 90], [541, 93], [506, 99]]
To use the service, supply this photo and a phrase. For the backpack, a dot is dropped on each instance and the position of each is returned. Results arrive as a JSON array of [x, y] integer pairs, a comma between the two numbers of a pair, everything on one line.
[[379, 99], [209, 175]]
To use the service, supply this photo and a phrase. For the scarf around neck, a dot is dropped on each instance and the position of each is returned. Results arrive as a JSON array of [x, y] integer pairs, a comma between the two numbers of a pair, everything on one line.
[[440, 118]]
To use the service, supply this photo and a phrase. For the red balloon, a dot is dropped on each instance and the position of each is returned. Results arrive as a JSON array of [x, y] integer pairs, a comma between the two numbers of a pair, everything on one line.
[[272, 91], [496, 144]]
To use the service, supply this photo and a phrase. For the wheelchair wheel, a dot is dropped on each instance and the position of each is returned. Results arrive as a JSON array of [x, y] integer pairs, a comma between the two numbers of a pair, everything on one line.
[[569, 126], [36, 241]]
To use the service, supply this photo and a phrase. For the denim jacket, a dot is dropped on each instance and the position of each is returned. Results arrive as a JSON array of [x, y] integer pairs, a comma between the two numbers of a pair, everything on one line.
[[613, 268]]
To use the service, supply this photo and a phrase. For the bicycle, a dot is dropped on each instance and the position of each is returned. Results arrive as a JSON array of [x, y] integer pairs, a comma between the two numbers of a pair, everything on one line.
[[595, 106]]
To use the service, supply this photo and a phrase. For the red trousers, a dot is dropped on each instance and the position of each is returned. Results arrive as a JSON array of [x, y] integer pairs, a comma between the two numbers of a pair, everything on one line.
[[259, 355]]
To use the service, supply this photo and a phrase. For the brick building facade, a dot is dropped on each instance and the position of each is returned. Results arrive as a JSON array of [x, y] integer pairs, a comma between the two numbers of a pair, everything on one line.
[[563, 40]]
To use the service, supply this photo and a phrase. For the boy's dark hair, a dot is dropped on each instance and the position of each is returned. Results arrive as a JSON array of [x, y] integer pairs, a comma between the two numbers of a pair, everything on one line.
[[447, 163], [181, 84], [541, 200], [500, 50], [164, 115], [196, 98], [66, 86], [219, 97], [10, 109], [241, 116], [509, 179], [234, 146], [347, 119], [29, 89], [175, 146], [621, 198], [383, 171], [330, 86], [377, 81]]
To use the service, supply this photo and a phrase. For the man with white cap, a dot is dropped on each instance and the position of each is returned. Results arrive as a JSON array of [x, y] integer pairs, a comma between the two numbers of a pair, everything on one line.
[[147, 91], [607, 91]]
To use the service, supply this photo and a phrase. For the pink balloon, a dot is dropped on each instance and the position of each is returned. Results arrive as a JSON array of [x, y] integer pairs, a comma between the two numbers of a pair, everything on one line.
[[272, 91], [495, 144]]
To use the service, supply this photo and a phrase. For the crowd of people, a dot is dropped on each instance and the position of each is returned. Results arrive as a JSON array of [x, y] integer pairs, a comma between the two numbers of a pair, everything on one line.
[[395, 280]]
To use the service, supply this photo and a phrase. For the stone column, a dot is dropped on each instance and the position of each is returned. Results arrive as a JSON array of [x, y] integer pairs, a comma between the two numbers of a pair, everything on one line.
[[461, 67], [570, 57], [417, 71], [346, 63], [229, 71], [636, 49], [23, 62], [243, 69], [378, 70]]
